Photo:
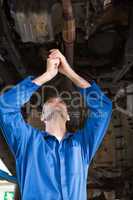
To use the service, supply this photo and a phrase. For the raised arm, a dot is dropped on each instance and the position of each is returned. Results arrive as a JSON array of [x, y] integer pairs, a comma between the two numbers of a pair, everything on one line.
[[99, 105], [15, 130], [97, 121]]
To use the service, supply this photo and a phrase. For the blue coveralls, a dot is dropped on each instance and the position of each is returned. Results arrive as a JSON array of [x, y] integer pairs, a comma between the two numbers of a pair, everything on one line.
[[47, 169]]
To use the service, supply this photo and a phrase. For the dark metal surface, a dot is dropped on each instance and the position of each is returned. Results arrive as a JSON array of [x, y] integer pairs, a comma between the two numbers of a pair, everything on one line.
[[9, 45], [95, 42], [128, 61]]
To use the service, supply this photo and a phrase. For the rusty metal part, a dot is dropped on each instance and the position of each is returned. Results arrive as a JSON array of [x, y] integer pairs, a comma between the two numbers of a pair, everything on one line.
[[68, 30], [33, 22]]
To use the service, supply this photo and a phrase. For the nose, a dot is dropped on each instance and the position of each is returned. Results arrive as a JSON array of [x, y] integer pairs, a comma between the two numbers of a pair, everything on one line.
[[55, 102], [59, 104]]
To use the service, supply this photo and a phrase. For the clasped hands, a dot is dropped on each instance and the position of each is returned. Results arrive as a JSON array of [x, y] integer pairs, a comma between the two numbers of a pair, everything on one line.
[[56, 62]]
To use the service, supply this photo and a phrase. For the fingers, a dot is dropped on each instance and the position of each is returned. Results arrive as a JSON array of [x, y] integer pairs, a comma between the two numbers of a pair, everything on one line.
[[55, 53], [52, 50], [54, 61], [55, 56]]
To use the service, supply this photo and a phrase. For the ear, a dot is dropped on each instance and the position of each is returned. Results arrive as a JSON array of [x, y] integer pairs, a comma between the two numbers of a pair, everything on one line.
[[45, 121], [68, 118]]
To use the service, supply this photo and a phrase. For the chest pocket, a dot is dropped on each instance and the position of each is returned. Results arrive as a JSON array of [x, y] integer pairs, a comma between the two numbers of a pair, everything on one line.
[[74, 160]]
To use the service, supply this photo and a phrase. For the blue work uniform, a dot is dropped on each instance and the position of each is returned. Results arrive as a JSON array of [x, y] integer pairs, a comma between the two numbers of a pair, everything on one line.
[[45, 168]]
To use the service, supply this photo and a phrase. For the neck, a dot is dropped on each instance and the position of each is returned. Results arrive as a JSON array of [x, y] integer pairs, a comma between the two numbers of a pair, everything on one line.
[[56, 127]]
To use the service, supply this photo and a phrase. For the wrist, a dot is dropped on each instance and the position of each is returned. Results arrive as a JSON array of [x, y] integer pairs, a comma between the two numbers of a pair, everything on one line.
[[48, 75], [78, 80]]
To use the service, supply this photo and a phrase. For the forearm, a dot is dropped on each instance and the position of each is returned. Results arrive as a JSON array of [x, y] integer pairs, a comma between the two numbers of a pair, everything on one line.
[[42, 79], [76, 79]]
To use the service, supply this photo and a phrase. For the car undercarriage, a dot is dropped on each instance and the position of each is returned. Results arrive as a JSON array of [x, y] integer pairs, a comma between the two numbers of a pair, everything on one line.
[[96, 36]]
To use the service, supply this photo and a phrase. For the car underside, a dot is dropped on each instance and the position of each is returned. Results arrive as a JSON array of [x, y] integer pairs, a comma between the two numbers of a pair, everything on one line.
[[96, 36]]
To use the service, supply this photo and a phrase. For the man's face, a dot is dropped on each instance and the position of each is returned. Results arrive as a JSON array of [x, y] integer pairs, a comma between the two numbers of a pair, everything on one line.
[[53, 108]]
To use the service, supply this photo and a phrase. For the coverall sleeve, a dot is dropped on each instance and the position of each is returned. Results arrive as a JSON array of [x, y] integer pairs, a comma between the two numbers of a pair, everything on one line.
[[12, 124], [97, 120]]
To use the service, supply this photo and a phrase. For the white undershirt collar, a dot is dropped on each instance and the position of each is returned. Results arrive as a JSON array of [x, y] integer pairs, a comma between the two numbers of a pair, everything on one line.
[[59, 138]]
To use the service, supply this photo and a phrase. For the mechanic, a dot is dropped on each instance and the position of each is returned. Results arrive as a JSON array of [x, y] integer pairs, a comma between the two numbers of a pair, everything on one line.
[[52, 164]]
